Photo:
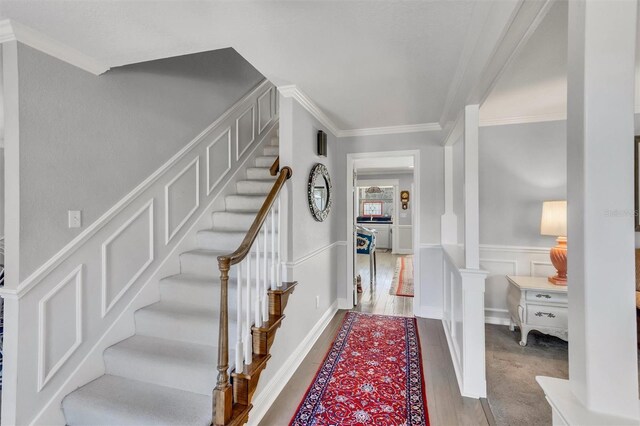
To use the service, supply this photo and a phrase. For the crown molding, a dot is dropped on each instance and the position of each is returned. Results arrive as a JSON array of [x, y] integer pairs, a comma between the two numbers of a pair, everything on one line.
[[13, 31], [389, 130], [292, 91]]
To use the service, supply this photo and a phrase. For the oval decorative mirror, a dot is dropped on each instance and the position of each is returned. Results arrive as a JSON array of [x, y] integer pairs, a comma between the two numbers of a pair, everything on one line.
[[319, 192]]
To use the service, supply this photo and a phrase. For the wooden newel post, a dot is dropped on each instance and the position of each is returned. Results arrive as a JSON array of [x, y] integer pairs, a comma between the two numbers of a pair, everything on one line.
[[223, 393]]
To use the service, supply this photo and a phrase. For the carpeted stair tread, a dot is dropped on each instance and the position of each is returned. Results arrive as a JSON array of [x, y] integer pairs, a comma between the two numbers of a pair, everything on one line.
[[265, 160], [193, 289], [260, 173], [187, 323], [244, 203], [225, 239], [271, 150], [187, 366], [111, 400], [254, 187]]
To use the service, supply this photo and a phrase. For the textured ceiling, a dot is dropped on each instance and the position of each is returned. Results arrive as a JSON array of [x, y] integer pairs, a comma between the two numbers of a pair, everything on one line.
[[365, 63]]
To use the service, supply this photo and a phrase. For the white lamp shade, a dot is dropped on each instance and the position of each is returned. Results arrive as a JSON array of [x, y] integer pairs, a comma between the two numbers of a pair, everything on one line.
[[554, 218]]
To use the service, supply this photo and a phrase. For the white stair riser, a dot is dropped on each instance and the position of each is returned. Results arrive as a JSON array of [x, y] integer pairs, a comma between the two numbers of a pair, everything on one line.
[[260, 173], [199, 378], [230, 241], [190, 293], [232, 221], [275, 141], [271, 151], [244, 203], [208, 265], [203, 331], [254, 187], [265, 161]]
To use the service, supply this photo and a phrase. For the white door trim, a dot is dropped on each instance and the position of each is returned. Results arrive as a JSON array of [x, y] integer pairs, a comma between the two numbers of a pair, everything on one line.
[[415, 208]]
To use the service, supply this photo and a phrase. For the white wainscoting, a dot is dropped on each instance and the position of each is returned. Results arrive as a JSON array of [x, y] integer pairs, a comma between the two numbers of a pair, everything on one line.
[[405, 239], [82, 300], [509, 260]]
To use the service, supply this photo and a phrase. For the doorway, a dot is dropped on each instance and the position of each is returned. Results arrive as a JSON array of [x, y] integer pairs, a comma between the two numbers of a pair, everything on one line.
[[383, 199]]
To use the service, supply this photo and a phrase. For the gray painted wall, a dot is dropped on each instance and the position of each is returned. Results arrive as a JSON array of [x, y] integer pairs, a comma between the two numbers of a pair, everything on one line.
[[311, 235], [87, 141], [521, 166]]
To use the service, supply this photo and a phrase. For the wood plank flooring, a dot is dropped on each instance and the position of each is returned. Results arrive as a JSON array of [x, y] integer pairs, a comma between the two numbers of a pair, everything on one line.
[[445, 405]]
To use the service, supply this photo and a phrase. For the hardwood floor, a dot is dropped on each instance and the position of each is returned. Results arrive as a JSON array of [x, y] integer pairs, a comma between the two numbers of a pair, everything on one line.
[[445, 405]]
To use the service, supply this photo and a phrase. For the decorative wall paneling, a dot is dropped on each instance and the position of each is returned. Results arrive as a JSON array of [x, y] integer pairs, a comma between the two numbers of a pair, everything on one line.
[[82, 300], [501, 260]]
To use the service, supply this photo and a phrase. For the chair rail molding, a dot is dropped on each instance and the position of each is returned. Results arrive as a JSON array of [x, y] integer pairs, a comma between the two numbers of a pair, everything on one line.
[[32, 280]]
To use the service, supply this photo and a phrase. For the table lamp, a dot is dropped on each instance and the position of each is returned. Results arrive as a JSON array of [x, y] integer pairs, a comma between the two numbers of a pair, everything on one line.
[[554, 222]]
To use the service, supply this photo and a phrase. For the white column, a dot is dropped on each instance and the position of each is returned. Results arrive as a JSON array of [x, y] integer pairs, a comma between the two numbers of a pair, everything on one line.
[[600, 128], [449, 220], [471, 188]]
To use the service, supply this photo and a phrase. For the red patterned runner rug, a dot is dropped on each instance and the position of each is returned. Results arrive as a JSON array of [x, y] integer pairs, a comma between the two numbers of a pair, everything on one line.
[[372, 375], [402, 284]]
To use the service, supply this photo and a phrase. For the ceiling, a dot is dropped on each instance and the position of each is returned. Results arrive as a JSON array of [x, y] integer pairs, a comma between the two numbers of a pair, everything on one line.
[[534, 85], [364, 63]]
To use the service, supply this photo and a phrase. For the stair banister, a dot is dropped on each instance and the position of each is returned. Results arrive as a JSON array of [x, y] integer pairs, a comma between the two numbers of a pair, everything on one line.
[[223, 392]]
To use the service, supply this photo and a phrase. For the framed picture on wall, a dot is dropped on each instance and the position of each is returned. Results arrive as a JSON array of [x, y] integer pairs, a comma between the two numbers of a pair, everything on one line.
[[636, 184], [372, 208]]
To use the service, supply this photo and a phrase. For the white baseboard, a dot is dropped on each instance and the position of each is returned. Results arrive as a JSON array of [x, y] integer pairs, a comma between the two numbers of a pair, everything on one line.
[[496, 316], [496, 320], [431, 312], [271, 390], [454, 359]]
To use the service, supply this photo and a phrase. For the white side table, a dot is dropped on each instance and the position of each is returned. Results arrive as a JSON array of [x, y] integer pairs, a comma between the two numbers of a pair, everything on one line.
[[536, 304]]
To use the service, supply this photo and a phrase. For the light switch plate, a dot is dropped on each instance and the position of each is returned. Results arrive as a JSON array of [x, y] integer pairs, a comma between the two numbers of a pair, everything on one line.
[[75, 218]]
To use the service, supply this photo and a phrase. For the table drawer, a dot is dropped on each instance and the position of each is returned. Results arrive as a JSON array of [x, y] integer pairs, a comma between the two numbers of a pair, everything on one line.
[[547, 316], [546, 296]]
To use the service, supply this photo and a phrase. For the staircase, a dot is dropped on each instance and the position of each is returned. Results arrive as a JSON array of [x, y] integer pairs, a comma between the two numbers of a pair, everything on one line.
[[166, 372]]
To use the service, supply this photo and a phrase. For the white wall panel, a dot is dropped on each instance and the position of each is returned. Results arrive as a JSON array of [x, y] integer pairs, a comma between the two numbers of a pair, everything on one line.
[[509, 260], [265, 109], [60, 325], [182, 198], [245, 131], [126, 255], [218, 159]]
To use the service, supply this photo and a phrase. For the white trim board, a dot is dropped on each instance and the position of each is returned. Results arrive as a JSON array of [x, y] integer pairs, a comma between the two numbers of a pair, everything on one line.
[[11, 30], [270, 392], [32, 280]]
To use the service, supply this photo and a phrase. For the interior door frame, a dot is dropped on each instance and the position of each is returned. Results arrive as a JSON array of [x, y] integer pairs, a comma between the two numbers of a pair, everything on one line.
[[415, 206]]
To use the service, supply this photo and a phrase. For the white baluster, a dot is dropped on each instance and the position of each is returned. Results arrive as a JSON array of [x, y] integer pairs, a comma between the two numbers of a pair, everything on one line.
[[265, 277], [273, 247], [247, 341], [258, 318], [239, 348], [278, 265]]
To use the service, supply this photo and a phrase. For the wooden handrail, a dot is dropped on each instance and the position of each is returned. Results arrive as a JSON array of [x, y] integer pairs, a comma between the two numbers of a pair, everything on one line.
[[223, 392]]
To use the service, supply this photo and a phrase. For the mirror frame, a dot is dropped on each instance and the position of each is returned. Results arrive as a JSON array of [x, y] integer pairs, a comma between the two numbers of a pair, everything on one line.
[[319, 171]]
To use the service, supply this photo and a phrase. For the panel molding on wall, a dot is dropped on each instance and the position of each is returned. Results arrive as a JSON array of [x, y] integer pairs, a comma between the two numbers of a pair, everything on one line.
[[170, 233], [519, 261], [261, 115], [240, 153], [211, 186], [108, 305], [44, 376]]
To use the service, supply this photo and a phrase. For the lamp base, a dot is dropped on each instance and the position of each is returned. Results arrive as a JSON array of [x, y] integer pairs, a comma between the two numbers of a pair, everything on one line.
[[558, 256]]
